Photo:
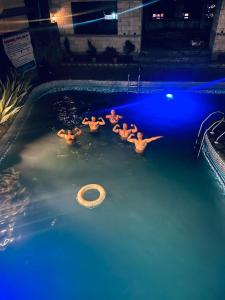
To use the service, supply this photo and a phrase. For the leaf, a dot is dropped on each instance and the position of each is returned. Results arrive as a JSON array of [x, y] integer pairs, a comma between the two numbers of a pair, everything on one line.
[[12, 95], [8, 109], [9, 115]]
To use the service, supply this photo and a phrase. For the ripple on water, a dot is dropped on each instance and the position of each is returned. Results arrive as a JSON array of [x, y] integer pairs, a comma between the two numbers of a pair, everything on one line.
[[14, 199]]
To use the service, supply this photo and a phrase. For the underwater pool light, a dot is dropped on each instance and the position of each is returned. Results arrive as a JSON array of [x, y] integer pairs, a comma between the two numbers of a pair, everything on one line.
[[169, 96]]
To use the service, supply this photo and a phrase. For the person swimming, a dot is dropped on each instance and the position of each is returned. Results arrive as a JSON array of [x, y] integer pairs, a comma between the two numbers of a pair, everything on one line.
[[140, 143], [71, 135], [124, 132], [93, 123], [113, 117]]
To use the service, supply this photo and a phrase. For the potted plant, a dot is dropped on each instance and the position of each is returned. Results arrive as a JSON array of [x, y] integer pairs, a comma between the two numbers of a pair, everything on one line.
[[68, 52], [128, 48], [111, 54], [12, 95], [67, 46], [92, 52]]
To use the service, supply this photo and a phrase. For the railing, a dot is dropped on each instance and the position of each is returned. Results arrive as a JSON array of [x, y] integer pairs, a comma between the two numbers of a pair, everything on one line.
[[214, 128], [204, 135], [137, 84], [219, 137], [203, 122], [128, 82]]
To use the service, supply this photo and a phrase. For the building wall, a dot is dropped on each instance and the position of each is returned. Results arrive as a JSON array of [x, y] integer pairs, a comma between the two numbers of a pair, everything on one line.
[[14, 23], [129, 27], [12, 3], [217, 40], [1, 6], [173, 17]]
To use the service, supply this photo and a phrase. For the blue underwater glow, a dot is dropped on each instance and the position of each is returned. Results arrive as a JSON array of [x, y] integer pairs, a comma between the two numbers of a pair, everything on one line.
[[208, 84], [163, 115]]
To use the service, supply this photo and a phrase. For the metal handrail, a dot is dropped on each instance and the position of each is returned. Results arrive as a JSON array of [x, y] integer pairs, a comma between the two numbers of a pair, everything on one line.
[[139, 80], [128, 82], [206, 131], [219, 137], [200, 129], [221, 121], [137, 85]]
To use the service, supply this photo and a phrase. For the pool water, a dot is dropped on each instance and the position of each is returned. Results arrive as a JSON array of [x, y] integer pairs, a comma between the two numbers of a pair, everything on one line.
[[159, 234]]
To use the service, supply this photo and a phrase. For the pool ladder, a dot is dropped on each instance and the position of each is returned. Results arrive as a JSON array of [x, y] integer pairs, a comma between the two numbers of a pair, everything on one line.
[[134, 87], [210, 129]]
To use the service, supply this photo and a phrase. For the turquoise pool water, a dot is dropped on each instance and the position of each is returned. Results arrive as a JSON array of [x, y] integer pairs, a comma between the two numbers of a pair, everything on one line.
[[160, 233]]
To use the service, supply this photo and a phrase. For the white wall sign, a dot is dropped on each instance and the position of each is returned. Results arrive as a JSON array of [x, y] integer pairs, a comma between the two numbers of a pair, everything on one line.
[[19, 49]]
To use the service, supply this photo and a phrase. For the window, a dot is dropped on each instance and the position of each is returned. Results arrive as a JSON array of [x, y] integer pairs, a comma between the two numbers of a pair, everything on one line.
[[160, 10], [193, 9], [210, 9], [97, 17], [158, 16]]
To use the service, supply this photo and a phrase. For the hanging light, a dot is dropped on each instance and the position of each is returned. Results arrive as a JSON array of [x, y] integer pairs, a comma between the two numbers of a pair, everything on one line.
[[53, 18]]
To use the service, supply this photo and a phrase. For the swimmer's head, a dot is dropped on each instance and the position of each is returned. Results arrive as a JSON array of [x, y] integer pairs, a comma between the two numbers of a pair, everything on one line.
[[69, 131], [125, 126], [113, 112], [93, 119], [140, 135]]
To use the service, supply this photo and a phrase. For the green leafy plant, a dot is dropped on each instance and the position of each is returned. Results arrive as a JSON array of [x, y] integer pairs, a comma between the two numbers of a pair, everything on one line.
[[67, 46], [92, 51], [128, 48], [11, 96], [110, 52]]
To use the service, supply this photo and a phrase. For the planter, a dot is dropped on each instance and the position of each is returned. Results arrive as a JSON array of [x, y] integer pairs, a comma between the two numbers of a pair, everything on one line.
[[115, 60]]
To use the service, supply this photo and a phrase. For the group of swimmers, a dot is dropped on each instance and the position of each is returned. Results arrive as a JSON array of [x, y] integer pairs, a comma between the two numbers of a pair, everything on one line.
[[125, 133]]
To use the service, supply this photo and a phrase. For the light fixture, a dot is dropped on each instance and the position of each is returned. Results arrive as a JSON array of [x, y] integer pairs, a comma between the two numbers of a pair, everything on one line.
[[53, 18], [112, 16], [186, 16], [159, 16]]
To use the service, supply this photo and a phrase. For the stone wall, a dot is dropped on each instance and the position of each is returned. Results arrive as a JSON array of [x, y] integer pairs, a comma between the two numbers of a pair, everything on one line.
[[129, 27], [12, 3], [15, 23], [217, 39]]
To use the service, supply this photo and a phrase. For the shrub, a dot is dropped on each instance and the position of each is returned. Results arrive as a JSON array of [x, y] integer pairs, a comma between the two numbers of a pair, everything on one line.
[[110, 52], [11, 96], [91, 49], [128, 47], [67, 45]]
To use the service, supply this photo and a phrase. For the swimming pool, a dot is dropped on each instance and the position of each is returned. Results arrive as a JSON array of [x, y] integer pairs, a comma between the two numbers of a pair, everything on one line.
[[160, 232]]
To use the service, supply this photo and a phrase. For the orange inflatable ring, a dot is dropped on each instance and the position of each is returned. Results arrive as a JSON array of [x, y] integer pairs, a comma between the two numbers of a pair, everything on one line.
[[91, 203]]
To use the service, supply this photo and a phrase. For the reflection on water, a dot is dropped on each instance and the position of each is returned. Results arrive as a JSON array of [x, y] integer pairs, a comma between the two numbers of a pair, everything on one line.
[[66, 111], [13, 202]]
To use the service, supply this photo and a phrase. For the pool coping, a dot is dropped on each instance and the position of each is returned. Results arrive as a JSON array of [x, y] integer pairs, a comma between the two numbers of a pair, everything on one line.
[[214, 159], [43, 89], [134, 86]]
